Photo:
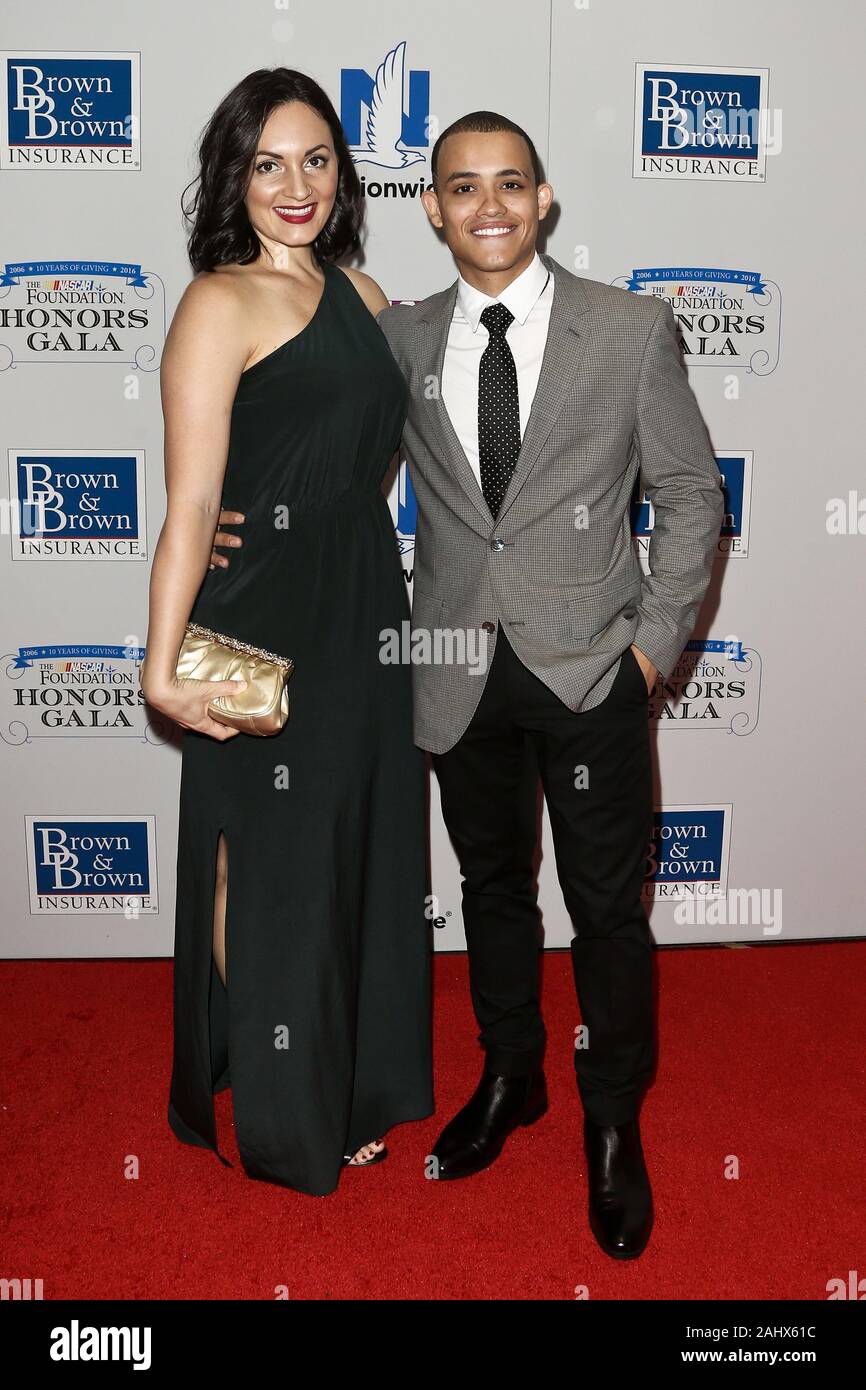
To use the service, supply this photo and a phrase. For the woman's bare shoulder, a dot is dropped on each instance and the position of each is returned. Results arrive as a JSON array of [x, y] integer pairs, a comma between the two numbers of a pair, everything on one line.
[[212, 319], [371, 293], [220, 294]]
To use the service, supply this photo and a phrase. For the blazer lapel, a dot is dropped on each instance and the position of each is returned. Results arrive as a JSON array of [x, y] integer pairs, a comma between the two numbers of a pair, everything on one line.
[[563, 352], [433, 326]]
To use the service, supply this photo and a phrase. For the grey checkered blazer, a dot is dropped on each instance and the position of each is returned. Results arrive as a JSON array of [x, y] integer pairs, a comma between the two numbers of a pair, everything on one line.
[[558, 567]]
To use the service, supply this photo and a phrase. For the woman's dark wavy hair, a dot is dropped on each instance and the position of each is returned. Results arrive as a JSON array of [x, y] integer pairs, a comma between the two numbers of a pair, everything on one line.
[[221, 230]]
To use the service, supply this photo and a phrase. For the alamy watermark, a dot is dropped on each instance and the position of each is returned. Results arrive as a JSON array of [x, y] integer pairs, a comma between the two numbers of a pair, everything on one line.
[[441, 646], [747, 907]]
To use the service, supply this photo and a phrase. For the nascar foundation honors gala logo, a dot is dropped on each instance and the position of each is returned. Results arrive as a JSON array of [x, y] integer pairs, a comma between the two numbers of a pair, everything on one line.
[[715, 684], [81, 311], [74, 690], [725, 317]]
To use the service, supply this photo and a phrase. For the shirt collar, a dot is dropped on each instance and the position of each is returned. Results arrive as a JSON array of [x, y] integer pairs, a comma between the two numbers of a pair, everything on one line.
[[519, 297]]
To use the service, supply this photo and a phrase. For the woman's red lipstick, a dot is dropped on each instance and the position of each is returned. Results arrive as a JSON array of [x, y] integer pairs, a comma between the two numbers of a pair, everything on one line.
[[302, 214]]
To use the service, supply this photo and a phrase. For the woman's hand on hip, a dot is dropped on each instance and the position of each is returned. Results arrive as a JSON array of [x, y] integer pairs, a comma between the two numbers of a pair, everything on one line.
[[225, 538]]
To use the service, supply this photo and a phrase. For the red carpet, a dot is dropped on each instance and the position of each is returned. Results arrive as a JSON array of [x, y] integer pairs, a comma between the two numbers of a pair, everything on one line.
[[761, 1057]]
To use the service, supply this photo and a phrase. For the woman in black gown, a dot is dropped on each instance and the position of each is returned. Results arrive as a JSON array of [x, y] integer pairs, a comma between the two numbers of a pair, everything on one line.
[[302, 957]]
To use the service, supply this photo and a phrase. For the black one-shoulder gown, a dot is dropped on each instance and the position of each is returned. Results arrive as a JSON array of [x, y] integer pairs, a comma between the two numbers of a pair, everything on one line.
[[323, 1028]]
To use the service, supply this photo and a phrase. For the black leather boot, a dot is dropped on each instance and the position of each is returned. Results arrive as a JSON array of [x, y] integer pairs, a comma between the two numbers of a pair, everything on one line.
[[620, 1196], [475, 1137]]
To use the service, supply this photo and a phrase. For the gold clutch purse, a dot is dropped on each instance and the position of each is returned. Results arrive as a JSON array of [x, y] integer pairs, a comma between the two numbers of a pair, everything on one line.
[[263, 707]]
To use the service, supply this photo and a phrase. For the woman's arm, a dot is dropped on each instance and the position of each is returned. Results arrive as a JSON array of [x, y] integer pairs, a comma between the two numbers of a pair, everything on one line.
[[204, 355]]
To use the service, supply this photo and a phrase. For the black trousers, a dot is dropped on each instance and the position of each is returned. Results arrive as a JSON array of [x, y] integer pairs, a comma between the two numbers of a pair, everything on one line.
[[601, 832]]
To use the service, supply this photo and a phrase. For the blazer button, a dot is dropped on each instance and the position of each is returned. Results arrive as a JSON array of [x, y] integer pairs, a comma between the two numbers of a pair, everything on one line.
[[497, 543], [489, 627]]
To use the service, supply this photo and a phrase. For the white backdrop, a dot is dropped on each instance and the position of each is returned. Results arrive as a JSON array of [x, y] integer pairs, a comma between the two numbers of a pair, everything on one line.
[[759, 734]]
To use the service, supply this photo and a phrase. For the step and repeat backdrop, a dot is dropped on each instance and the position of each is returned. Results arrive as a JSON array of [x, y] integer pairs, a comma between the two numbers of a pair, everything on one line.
[[691, 158]]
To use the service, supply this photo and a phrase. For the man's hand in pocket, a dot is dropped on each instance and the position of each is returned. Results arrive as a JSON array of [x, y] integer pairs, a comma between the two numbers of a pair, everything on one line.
[[650, 672]]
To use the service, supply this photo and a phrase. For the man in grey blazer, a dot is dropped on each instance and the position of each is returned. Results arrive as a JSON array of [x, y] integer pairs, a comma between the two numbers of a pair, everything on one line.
[[536, 396]]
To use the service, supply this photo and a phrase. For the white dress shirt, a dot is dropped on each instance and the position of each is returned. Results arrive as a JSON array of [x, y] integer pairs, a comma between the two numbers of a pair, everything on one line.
[[529, 298]]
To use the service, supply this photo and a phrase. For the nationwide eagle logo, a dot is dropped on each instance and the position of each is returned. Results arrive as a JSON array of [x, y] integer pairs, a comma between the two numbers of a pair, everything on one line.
[[394, 131], [407, 511]]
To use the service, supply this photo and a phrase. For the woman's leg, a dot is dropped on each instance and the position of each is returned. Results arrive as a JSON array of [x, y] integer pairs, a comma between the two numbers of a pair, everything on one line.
[[219, 908]]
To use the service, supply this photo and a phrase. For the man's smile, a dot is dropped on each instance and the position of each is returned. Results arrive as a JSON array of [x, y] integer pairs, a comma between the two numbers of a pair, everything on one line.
[[492, 229]]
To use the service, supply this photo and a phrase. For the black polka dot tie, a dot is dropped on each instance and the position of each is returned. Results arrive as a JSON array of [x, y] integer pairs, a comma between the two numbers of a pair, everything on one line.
[[498, 409]]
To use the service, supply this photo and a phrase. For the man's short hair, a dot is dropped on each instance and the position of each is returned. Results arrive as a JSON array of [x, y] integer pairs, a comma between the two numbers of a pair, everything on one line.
[[485, 123]]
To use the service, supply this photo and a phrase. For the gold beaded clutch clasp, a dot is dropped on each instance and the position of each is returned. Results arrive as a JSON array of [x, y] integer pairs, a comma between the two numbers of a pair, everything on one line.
[[263, 707]]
